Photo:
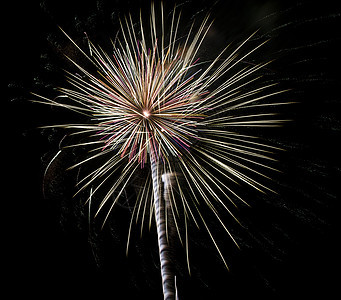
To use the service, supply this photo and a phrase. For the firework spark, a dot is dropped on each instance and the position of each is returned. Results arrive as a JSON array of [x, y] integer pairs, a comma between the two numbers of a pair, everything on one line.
[[153, 102]]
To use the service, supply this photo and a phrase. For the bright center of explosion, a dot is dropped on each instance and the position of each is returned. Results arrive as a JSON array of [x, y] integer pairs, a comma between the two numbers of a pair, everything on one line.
[[146, 114]]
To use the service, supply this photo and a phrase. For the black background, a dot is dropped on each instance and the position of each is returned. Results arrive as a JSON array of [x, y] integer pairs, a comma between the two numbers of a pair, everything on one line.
[[290, 245]]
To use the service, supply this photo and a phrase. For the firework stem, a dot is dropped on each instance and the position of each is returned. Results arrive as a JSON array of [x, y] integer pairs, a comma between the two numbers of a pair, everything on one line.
[[168, 278]]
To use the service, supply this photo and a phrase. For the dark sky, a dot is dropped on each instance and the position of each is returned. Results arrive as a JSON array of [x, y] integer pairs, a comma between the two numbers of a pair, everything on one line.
[[289, 243]]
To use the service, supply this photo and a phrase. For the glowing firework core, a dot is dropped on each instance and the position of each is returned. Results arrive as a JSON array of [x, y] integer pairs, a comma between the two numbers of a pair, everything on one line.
[[146, 113]]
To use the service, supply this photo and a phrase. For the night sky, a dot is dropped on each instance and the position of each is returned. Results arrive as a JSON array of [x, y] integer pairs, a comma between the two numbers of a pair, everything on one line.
[[289, 241]]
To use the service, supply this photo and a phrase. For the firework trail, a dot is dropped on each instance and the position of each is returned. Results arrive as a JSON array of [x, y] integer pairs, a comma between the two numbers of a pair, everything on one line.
[[153, 103]]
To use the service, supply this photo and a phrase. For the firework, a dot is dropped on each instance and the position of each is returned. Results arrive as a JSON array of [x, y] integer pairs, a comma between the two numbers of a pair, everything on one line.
[[152, 102]]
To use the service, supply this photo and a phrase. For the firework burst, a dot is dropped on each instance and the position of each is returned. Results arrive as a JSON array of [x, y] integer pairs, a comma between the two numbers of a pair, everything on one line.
[[152, 102]]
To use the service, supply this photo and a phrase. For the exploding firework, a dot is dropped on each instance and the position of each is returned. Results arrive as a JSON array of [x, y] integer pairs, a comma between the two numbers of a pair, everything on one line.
[[153, 103]]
